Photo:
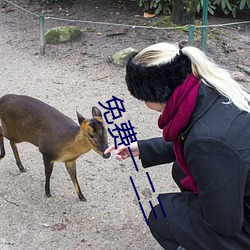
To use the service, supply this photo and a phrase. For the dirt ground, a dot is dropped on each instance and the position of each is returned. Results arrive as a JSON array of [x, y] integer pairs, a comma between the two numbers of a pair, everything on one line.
[[76, 76]]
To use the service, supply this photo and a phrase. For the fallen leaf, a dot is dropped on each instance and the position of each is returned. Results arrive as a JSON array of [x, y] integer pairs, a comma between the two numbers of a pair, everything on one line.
[[147, 15], [58, 227]]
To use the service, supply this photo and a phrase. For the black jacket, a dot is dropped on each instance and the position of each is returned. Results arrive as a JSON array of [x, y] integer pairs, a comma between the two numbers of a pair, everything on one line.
[[216, 145]]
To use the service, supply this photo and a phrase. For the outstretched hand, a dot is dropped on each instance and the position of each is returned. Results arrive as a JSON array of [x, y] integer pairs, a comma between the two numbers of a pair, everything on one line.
[[122, 152]]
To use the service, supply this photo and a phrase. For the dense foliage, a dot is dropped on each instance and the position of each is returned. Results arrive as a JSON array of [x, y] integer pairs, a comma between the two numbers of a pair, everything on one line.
[[227, 6], [157, 6], [165, 6]]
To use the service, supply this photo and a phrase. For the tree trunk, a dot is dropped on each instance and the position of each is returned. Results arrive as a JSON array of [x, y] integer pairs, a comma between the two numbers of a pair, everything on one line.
[[183, 11]]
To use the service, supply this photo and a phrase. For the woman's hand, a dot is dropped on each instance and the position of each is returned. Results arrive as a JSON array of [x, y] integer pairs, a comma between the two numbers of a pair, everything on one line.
[[122, 152]]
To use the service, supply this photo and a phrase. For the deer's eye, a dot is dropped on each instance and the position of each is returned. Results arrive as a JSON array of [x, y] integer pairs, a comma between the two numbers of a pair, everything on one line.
[[91, 136]]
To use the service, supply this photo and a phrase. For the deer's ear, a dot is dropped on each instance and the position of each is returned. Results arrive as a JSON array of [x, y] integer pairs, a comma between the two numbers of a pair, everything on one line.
[[80, 118], [96, 111]]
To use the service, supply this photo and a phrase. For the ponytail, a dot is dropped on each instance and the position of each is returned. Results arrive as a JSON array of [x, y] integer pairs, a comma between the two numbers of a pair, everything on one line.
[[218, 78]]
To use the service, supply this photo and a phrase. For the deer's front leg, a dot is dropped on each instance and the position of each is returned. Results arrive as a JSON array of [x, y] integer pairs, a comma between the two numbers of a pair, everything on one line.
[[71, 168], [48, 165]]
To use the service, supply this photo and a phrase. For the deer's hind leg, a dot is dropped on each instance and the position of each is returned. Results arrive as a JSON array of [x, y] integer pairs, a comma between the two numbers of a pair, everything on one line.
[[18, 161], [71, 168], [1, 144]]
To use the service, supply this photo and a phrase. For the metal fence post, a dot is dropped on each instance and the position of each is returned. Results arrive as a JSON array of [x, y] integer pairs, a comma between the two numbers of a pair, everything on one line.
[[42, 31], [204, 24], [191, 35]]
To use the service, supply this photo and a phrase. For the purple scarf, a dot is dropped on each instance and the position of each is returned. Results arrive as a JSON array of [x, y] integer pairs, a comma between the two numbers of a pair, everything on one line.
[[174, 119]]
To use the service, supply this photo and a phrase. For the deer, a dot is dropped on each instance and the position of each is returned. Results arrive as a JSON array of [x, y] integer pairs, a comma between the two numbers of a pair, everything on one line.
[[58, 138]]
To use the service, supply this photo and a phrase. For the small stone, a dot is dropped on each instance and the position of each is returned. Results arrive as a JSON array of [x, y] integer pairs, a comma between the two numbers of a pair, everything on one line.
[[239, 76], [121, 58], [63, 34], [44, 225], [147, 193], [135, 201]]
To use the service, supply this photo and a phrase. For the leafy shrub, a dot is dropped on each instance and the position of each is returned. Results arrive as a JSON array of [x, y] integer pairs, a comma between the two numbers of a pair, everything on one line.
[[225, 5], [211, 7], [165, 6], [157, 6], [232, 6]]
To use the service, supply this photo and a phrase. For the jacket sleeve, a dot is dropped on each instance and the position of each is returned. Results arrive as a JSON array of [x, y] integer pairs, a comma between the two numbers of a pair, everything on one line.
[[220, 173], [155, 151]]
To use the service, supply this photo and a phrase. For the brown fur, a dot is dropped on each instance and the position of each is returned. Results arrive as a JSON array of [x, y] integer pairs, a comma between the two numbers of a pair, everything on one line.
[[59, 138]]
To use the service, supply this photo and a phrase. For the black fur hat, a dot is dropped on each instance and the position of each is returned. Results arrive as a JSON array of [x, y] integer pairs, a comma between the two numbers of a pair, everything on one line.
[[156, 83]]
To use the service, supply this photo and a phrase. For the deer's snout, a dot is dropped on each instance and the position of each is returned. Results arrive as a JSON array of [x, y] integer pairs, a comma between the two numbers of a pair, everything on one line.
[[106, 156]]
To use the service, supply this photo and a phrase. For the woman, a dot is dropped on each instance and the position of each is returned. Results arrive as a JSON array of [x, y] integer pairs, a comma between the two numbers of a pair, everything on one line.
[[205, 118]]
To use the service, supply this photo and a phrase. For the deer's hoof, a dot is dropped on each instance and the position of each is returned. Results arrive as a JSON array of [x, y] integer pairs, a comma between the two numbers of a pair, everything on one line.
[[82, 198], [48, 195]]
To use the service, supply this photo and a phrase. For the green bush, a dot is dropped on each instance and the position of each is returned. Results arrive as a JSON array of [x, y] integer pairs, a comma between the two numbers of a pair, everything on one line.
[[156, 6], [211, 7], [227, 6], [232, 6]]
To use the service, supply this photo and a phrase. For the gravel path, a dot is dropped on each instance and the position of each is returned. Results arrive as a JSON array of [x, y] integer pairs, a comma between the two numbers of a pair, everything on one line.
[[70, 79]]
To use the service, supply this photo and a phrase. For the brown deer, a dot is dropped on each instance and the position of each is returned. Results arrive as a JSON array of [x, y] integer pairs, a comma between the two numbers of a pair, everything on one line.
[[59, 138]]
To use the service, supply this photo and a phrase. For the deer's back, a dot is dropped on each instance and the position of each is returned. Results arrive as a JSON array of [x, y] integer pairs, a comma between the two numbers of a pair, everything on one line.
[[24, 118]]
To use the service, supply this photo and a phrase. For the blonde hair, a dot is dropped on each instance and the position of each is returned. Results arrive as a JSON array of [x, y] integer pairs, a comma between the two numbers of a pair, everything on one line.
[[202, 67]]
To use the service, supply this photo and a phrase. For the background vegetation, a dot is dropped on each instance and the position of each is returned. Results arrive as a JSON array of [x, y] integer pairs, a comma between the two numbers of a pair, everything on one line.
[[226, 6], [165, 6]]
